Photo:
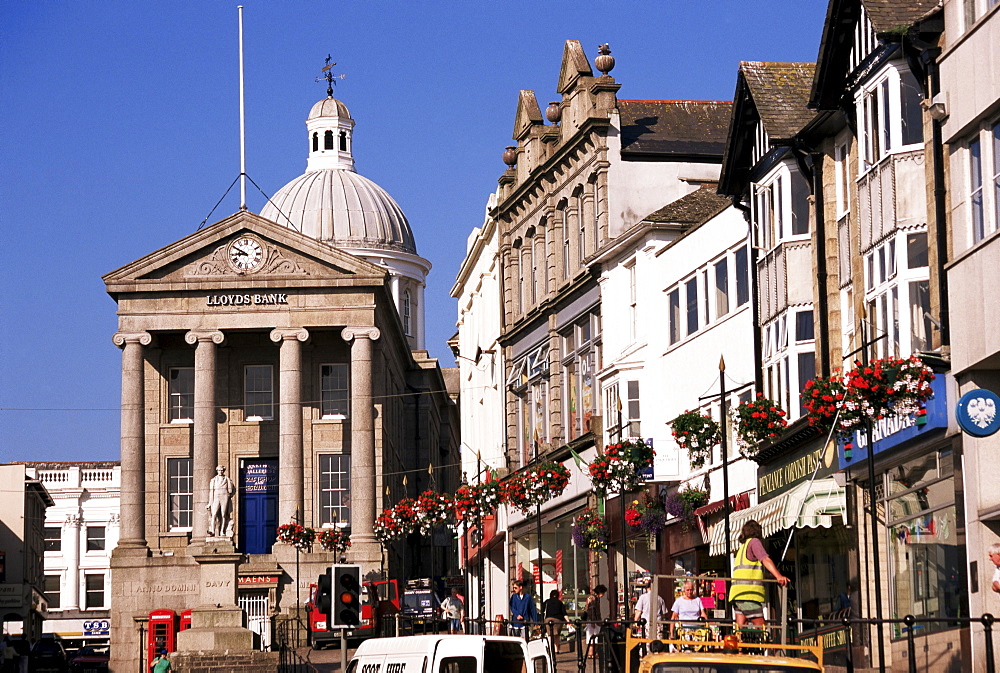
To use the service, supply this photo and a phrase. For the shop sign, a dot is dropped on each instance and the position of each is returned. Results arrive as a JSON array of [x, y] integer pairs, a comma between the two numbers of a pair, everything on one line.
[[832, 639], [244, 580], [775, 480], [246, 299], [11, 595], [893, 431], [976, 412], [96, 627], [260, 477]]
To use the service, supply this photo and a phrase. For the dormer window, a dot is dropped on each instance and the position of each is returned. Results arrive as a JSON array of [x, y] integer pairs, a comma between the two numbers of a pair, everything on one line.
[[343, 141], [328, 140]]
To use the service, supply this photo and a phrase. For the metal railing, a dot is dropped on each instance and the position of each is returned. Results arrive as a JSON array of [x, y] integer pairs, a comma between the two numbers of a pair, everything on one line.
[[288, 639], [909, 622]]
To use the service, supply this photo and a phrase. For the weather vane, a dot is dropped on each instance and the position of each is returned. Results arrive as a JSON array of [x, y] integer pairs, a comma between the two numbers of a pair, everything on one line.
[[329, 76]]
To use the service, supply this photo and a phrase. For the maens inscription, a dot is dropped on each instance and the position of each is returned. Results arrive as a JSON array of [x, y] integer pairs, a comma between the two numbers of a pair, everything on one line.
[[247, 299]]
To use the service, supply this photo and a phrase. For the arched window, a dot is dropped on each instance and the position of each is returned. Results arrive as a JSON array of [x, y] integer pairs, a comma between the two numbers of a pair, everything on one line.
[[343, 141], [315, 142], [407, 323], [328, 140]]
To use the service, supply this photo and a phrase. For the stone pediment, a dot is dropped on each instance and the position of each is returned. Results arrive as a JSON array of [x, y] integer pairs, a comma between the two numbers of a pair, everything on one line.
[[214, 256], [574, 66]]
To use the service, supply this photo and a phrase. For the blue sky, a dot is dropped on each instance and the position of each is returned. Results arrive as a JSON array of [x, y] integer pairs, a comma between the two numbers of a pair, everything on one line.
[[121, 132]]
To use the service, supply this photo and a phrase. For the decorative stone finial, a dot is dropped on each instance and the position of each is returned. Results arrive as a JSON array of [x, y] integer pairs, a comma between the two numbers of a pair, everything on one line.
[[605, 62], [554, 112], [510, 156]]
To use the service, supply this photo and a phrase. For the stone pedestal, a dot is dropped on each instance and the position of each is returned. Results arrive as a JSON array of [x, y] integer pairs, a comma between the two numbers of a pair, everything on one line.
[[218, 623]]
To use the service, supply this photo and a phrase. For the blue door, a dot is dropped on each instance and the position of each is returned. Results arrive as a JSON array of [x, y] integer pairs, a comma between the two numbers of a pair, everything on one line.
[[258, 506]]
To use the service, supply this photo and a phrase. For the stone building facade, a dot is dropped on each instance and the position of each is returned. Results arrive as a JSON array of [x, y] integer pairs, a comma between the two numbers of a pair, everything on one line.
[[284, 353], [579, 176]]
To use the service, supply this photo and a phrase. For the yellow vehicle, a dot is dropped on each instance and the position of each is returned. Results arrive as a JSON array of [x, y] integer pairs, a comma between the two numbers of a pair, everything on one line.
[[727, 655]]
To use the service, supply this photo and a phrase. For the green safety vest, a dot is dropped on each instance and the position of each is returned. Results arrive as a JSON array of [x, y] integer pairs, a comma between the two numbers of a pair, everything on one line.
[[748, 578]]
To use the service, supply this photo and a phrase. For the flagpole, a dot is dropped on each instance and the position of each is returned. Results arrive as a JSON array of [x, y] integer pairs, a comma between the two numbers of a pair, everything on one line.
[[243, 143]]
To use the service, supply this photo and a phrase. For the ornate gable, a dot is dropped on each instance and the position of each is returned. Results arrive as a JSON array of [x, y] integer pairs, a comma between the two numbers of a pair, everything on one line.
[[246, 250], [574, 66], [528, 114]]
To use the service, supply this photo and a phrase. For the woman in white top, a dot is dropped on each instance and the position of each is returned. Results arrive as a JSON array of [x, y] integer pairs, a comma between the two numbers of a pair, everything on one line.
[[686, 608]]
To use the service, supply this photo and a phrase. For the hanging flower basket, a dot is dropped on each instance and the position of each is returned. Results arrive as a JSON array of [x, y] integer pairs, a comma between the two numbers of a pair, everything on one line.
[[646, 514], [332, 539], [618, 469], [431, 510], [682, 504], [697, 433], [476, 501], [869, 392], [296, 535], [756, 421], [530, 488], [396, 522], [590, 531], [822, 397]]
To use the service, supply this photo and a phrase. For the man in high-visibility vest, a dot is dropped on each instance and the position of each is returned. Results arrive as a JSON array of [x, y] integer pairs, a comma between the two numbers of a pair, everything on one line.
[[746, 593]]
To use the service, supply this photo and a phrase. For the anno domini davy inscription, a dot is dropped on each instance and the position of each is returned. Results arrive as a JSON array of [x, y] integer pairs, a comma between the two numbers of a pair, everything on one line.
[[160, 587]]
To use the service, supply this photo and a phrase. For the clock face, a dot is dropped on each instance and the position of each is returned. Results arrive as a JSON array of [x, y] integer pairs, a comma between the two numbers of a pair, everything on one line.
[[245, 254]]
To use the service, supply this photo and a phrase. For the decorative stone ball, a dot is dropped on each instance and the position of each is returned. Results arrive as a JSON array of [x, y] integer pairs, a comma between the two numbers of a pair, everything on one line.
[[605, 62], [510, 156], [553, 112]]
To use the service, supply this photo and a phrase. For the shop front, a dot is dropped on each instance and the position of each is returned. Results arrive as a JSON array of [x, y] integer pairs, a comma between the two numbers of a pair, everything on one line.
[[921, 527], [802, 510]]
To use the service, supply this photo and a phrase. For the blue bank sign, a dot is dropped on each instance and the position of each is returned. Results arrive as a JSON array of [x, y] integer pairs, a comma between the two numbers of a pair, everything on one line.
[[890, 432], [976, 412]]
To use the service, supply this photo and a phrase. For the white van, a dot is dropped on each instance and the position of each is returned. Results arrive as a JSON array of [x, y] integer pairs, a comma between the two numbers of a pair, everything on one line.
[[452, 654]]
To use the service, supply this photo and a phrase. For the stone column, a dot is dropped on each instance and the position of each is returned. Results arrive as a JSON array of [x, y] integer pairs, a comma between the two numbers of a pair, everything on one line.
[[417, 316], [206, 437], [133, 440], [290, 488], [364, 546], [71, 543]]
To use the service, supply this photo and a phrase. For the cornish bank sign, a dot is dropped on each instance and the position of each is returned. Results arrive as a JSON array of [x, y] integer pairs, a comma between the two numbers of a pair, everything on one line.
[[273, 298]]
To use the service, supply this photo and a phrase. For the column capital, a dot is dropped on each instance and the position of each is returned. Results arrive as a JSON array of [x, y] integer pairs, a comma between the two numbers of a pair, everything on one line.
[[141, 338], [352, 333], [72, 520], [194, 336], [280, 334]]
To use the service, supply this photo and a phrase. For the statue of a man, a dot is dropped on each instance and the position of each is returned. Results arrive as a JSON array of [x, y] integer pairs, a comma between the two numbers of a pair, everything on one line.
[[220, 495]]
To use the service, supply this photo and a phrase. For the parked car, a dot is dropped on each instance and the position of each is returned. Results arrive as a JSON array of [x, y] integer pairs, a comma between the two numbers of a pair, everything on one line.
[[48, 656], [91, 659]]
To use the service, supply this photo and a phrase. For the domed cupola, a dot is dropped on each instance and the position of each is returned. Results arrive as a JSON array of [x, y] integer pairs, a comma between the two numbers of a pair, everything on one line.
[[332, 203], [330, 128]]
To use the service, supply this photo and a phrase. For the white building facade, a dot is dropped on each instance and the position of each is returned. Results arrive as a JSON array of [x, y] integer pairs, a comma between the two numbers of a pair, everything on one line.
[[81, 530]]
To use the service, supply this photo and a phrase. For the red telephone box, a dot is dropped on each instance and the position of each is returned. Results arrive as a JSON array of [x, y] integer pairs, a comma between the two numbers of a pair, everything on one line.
[[185, 620], [162, 633]]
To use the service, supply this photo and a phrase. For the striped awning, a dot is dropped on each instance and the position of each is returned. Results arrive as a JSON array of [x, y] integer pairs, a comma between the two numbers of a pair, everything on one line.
[[804, 506]]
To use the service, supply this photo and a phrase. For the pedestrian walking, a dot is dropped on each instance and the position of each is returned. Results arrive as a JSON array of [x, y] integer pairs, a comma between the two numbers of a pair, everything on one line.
[[522, 609], [554, 614], [592, 617], [161, 664], [686, 608], [454, 609], [643, 610], [994, 552]]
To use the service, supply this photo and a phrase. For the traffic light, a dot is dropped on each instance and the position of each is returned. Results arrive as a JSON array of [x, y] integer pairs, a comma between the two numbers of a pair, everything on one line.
[[346, 596], [324, 600]]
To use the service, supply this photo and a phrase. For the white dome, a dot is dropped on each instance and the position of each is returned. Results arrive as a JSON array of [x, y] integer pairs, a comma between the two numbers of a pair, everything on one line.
[[342, 208]]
